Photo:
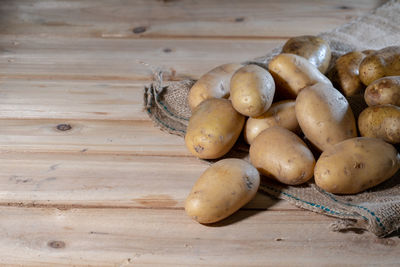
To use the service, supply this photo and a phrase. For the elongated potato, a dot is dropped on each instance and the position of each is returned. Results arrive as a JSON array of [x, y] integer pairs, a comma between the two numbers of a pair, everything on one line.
[[355, 165], [213, 128], [382, 121], [315, 49], [383, 91], [280, 114], [213, 84], [280, 154], [382, 63], [292, 73], [347, 70], [221, 190], [252, 90], [324, 116]]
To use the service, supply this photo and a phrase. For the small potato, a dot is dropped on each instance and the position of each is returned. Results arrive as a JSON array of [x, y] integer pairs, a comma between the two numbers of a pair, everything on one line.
[[221, 190], [382, 122], [213, 128], [280, 114], [315, 49], [280, 154], [382, 63], [355, 165], [213, 84], [252, 90], [324, 116], [383, 91], [292, 73], [346, 68]]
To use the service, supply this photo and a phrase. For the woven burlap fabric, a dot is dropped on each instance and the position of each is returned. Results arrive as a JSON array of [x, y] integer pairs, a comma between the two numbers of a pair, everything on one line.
[[376, 210]]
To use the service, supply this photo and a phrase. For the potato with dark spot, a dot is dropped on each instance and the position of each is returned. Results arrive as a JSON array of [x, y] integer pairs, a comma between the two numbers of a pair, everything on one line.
[[355, 165], [280, 114], [252, 90], [324, 116], [213, 84], [382, 63], [280, 154], [382, 121], [346, 73], [315, 49], [213, 128], [221, 190], [383, 91], [292, 73]]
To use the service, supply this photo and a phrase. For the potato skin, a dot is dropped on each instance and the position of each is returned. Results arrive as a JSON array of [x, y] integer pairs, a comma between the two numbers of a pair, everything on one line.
[[382, 63], [280, 154], [213, 128], [252, 90], [292, 73], [355, 165], [347, 70], [221, 190], [385, 90], [279, 114], [382, 121], [315, 49], [213, 84], [324, 116]]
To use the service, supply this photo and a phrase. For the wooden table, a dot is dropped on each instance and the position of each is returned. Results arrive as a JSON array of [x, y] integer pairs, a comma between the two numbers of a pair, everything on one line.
[[85, 178]]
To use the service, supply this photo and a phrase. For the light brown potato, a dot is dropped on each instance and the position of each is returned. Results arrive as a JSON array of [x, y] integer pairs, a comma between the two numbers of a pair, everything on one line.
[[213, 84], [252, 90], [213, 128], [382, 63], [280, 114], [292, 73], [383, 91], [280, 154], [315, 49], [221, 190], [355, 165], [324, 116], [347, 67], [382, 121]]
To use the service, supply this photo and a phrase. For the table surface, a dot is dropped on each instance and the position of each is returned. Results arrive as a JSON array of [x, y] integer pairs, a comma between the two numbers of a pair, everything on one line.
[[85, 178]]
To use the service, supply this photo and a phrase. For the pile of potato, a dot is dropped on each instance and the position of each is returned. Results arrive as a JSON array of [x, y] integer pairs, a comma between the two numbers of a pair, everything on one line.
[[298, 124]]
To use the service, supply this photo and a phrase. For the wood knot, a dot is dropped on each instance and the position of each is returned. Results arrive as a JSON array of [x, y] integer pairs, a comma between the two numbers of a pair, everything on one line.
[[240, 19], [64, 127], [140, 29], [56, 244], [167, 50]]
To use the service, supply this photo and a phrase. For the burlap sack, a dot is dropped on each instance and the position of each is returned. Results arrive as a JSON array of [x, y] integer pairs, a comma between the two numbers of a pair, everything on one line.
[[376, 210]]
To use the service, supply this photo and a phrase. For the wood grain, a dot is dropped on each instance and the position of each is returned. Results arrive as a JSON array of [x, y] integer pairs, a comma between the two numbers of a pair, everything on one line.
[[85, 180], [178, 19]]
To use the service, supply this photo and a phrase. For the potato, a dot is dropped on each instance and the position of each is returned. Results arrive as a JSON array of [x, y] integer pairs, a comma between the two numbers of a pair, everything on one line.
[[280, 114], [315, 49], [382, 122], [383, 91], [221, 190], [324, 116], [280, 154], [346, 68], [355, 165], [213, 84], [213, 128], [252, 90], [382, 63], [292, 73]]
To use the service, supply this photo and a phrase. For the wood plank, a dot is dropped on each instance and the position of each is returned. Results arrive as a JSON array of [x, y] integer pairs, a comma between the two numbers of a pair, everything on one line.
[[65, 99], [90, 136], [174, 19], [104, 237], [61, 58], [84, 180]]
